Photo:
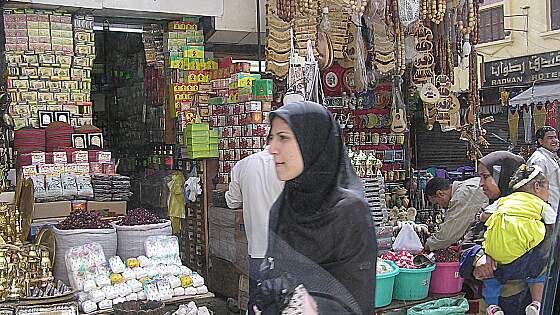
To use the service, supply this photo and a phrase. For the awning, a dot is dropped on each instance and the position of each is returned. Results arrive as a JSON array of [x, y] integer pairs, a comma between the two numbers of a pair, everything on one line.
[[540, 93]]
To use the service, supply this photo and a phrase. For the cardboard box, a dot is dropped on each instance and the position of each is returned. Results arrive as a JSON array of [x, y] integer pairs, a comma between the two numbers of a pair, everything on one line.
[[118, 207], [55, 209]]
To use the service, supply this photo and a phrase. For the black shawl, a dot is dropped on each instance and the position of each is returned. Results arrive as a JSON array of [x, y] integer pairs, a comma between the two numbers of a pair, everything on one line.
[[502, 165], [320, 228]]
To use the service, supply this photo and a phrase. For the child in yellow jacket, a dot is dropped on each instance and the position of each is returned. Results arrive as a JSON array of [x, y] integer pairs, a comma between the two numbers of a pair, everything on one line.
[[513, 231]]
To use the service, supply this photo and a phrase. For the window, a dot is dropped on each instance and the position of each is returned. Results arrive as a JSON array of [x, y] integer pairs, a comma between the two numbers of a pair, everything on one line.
[[554, 14], [492, 24]]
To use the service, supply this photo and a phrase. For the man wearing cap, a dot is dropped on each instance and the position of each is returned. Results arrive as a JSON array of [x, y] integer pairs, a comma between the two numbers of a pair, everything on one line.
[[463, 200], [546, 157]]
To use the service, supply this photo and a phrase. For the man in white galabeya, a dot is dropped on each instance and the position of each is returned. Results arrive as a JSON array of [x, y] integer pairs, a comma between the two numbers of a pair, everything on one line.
[[255, 187], [546, 157]]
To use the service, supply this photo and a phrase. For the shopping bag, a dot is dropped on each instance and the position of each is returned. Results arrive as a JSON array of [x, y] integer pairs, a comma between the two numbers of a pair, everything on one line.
[[408, 240]]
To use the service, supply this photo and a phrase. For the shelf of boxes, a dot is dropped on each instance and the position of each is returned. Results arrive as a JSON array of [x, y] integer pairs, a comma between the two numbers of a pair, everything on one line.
[[240, 113], [49, 57]]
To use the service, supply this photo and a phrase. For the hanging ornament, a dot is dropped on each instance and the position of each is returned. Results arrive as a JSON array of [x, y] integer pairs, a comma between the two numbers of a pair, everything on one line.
[[466, 47]]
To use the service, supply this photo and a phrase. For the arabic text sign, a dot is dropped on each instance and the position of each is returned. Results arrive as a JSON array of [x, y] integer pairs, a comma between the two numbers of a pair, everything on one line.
[[523, 70]]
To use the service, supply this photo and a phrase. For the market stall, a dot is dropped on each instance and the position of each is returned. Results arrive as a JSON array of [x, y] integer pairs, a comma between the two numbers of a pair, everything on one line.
[[384, 68]]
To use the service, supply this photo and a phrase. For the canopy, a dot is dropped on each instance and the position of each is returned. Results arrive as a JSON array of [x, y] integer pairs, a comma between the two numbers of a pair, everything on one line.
[[540, 93]]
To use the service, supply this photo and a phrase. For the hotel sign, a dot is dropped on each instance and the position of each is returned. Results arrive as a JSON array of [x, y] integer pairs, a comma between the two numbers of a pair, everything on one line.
[[522, 70]]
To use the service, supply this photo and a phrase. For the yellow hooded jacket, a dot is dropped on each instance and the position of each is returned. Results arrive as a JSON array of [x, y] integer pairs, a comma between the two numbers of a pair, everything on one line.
[[515, 227]]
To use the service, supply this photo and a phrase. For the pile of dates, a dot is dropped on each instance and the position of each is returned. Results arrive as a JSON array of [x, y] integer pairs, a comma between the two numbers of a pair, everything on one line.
[[447, 255], [83, 220], [139, 216]]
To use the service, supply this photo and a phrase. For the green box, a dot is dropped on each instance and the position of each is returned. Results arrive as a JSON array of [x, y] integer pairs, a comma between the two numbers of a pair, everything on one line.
[[262, 87], [198, 127], [213, 141], [217, 101], [213, 133], [197, 140], [213, 147], [197, 154], [213, 154], [197, 147], [195, 134]]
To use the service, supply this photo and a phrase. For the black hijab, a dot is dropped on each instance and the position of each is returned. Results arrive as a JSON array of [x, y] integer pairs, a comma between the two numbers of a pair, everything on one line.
[[326, 162], [502, 165]]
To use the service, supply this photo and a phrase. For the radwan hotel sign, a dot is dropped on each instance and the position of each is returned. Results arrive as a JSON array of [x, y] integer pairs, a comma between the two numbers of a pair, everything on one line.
[[522, 70]]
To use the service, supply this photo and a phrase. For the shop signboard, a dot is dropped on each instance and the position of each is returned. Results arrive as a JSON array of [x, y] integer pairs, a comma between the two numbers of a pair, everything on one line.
[[522, 70]]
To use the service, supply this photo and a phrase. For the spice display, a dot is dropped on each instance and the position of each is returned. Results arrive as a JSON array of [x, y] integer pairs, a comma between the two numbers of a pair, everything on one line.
[[83, 220], [140, 216], [446, 255]]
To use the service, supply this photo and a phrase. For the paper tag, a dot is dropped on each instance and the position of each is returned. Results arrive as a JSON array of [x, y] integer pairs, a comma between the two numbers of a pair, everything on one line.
[[58, 169], [104, 157], [29, 170], [60, 157], [38, 158], [46, 169], [72, 168], [82, 168], [81, 157]]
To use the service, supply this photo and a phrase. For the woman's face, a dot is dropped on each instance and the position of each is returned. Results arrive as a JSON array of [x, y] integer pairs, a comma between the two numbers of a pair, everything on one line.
[[487, 182], [285, 149]]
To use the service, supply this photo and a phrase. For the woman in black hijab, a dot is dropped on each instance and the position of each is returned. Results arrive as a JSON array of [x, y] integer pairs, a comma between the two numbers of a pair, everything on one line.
[[321, 234], [496, 170]]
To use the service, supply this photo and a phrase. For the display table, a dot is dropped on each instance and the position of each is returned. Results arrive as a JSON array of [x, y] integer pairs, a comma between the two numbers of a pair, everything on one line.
[[397, 306]]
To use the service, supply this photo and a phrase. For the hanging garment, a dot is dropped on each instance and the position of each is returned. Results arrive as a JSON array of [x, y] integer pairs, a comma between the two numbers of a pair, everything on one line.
[[513, 123], [527, 123], [552, 114], [176, 200], [539, 116]]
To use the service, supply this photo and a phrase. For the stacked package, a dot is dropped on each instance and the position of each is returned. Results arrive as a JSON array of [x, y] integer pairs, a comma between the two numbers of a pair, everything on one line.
[[200, 141], [49, 57], [111, 187], [184, 55], [240, 113], [157, 276]]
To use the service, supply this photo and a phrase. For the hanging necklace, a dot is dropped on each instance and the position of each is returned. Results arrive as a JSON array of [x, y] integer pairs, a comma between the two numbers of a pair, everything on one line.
[[471, 19], [399, 40], [437, 10]]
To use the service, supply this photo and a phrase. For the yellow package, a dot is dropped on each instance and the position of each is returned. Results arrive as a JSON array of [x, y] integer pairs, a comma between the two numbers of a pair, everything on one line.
[[117, 278], [132, 262], [186, 281]]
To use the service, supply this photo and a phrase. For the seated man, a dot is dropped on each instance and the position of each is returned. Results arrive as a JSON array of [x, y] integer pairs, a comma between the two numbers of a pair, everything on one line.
[[463, 200]]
